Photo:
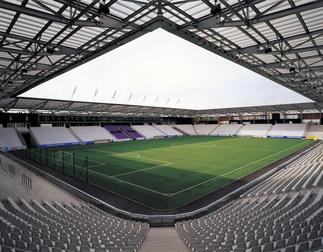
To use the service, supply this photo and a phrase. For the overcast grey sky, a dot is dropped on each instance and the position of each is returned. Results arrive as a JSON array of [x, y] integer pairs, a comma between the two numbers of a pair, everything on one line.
[[168, 71]]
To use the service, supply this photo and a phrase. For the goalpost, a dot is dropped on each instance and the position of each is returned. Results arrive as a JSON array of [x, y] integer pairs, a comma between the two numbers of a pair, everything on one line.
[[65, 157]]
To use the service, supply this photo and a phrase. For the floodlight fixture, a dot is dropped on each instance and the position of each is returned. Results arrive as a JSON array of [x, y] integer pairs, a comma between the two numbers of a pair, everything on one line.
[[216, 10], [104, 8], [292, 70], [267, 49]]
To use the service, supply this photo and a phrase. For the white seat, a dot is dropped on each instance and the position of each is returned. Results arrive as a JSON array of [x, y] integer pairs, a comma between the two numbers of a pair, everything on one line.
[[10, 140], [226, 130], [148, 131], [204, 129], [254, 130], [288, 130], [53, 136], [168, 130], [186, 128], [90, 134]]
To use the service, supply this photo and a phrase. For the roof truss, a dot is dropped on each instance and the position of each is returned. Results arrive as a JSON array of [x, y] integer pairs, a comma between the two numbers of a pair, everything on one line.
[[279, 39]]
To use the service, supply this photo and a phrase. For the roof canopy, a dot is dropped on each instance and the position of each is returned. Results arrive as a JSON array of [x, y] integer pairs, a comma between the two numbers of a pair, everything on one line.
[[281, 40], [36, 105]]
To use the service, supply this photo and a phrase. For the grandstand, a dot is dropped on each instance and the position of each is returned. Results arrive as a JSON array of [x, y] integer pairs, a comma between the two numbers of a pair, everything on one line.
[[187, 129], [254, 130], [53, 136], [287, 130], [117, 132], [131, 132], [73, 175], [10, 140], [204, 129], [148, 131], [226, 130], [92, 134], [168, 130], [315, 131], [277, 214]]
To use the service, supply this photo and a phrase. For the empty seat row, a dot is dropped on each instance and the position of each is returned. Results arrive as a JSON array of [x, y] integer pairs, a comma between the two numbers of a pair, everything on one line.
[[305, 172], [283, 213], [44, 226]]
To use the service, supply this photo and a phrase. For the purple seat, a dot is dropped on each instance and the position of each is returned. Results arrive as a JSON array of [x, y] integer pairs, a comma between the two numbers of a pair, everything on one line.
[[131, 132], [123, 132], [116, 132]]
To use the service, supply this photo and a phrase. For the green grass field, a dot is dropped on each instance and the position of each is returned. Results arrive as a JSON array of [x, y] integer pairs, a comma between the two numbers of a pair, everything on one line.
[[168, 173]]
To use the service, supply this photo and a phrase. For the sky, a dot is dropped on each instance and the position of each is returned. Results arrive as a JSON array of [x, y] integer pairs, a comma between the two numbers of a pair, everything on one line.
[[161, 69]]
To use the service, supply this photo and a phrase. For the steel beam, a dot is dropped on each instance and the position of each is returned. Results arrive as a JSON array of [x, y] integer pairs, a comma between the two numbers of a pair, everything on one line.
[[213, 22], [54, 18]]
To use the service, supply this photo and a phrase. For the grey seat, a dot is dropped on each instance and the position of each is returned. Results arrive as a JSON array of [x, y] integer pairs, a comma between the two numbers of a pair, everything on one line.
[[280, 244], [302, 238], [290, 249], [268, 247], [60, 245], [256, 249], [241, 245], [239, 250], [5, 249], [84, 249], [56, 250], [32, 246], [313, 235], [9, 242], [316, 244], [253, 243], [20, 245], [19, 250], [44, 248], [303, 247], [72, 247], [264, 240], [292, 240]]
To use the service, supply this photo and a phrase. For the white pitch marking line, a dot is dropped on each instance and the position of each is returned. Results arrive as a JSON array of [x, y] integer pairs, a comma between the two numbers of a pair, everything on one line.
[[89, 160], [129, 154], [144, 169], [126, 182], [206, 181], [120, 180], [178, 192]]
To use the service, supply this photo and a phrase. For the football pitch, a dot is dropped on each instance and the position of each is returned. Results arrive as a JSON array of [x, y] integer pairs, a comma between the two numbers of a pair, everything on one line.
[[168, 173]]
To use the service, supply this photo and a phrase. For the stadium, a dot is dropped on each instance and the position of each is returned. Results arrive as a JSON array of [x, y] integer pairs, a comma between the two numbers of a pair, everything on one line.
[[174, 170]]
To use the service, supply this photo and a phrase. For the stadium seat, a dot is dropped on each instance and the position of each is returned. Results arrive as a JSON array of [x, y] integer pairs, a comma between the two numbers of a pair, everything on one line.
[[60, 226], [254, 130], [226, 130], [287, 130], [204, 129], [188, 129], [270, 217], [53, 136], [10, 139], [148, 131], [168, 130], [92, 134]]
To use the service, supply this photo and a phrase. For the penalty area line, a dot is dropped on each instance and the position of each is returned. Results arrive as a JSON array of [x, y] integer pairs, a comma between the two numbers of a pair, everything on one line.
[[141, 170], [130, 155], [129, 183]]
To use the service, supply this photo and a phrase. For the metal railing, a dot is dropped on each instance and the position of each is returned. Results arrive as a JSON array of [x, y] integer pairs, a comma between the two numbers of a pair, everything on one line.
[[65, 162], [154, 220]]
